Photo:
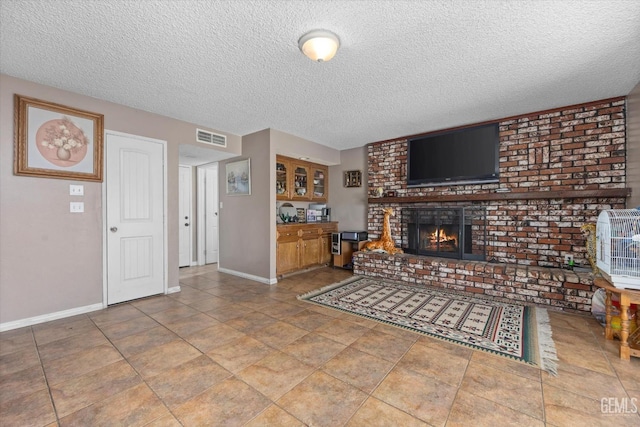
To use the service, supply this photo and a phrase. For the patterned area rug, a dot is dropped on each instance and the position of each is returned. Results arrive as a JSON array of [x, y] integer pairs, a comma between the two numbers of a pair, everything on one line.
[[515, 331]]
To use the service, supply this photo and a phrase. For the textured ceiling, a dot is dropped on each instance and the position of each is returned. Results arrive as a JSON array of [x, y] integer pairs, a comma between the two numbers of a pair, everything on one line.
[[404, 67]]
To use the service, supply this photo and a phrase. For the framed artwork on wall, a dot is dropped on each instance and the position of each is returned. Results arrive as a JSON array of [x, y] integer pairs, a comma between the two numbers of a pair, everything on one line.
[[56, 141], [239, 178], [353, 178]]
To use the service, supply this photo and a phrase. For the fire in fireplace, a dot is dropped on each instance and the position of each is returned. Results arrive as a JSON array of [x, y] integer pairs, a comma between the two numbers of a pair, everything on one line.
[[444, 238], [447, 232]]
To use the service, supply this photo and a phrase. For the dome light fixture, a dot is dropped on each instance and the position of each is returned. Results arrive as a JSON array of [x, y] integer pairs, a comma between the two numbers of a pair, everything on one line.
[[319, 45]]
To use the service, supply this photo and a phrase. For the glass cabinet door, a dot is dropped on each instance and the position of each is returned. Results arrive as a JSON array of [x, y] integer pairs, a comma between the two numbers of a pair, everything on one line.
[[300, 182], [282, 185], [319, 184]]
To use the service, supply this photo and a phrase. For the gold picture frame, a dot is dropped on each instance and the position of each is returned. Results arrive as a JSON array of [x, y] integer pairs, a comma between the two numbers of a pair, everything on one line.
[[56, 141]]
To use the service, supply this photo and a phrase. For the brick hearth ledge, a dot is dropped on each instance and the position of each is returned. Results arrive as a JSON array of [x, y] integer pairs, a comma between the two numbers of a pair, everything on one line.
[[556, 288]]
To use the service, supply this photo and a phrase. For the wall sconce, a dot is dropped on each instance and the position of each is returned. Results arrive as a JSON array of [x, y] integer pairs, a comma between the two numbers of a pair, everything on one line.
[[319, 45]]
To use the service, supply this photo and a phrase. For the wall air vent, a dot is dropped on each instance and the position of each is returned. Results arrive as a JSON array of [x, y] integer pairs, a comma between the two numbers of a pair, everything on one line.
[[206, 137]]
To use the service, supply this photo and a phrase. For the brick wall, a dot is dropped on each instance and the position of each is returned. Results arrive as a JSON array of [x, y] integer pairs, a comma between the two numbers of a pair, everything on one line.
[[560, 289], [573, 148]]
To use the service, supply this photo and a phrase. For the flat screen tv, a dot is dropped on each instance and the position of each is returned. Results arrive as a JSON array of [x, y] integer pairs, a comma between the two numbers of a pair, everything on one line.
[[465, 156]]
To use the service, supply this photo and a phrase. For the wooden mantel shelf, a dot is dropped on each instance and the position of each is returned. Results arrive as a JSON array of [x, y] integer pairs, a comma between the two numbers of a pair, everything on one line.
[[527, 195]]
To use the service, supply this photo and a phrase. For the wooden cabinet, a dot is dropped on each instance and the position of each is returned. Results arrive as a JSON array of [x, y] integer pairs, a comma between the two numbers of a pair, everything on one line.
[[283, 190], [325, 248], [301, 181], [300, 185], [299, 246], [310, 253], [319, 184], [287, 248]]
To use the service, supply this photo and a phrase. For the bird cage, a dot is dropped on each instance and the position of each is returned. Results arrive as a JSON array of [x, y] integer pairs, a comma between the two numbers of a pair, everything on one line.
[[618, 247]]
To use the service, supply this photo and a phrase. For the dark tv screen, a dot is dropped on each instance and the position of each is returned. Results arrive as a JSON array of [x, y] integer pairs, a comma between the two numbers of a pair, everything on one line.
[[464, 156]]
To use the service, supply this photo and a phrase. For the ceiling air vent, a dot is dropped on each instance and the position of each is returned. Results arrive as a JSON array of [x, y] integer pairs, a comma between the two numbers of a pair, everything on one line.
[[210, 138]]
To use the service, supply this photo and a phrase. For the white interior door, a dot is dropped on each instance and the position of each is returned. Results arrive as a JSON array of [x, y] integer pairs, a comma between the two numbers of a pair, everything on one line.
[[135, 198], [184, 216], [211, 215]]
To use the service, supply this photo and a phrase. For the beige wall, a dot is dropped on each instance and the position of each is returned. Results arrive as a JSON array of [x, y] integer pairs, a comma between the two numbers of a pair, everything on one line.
[[51, 260], [349, 205], [633, 146], [245, 240], [292, 146]]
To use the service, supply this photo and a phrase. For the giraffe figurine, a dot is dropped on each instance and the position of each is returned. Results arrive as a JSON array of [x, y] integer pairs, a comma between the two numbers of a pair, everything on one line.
[[386, 243], [589, 230]]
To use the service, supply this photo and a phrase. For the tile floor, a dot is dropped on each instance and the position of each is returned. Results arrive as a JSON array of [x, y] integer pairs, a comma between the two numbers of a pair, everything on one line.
[[227, 351]]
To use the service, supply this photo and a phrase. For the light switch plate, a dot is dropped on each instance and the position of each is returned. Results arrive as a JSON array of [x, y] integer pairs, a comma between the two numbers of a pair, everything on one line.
[[76, 207], [76, 190]]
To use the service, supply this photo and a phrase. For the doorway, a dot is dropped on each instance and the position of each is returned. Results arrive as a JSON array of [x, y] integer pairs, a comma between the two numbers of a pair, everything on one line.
[[135, 207], [185, 189], [208, 217], [205, 215]]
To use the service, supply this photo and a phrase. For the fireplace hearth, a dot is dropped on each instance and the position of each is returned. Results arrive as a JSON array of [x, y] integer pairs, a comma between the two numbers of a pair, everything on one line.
[[459, 232]]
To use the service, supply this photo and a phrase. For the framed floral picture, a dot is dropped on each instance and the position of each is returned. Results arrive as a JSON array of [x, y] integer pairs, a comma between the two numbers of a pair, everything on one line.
[[56, 141], [239, 178]]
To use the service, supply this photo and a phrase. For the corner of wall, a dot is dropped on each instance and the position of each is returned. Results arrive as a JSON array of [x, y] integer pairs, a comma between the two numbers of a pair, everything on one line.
[[633, 146]]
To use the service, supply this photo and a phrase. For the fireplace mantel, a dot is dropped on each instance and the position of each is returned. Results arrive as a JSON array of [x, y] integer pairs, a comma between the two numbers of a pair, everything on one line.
[[514, 195]]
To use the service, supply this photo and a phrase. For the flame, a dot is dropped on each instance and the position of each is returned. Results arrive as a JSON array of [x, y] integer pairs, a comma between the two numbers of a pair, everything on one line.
[[443, 237]]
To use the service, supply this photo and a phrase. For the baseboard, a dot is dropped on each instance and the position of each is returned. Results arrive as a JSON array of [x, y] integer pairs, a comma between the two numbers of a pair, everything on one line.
[[7, 326], [173, 290], [264, 280]]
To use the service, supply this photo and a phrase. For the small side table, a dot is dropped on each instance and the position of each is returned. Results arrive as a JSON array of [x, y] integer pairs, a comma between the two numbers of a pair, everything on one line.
[[629, 344], [347, 248]]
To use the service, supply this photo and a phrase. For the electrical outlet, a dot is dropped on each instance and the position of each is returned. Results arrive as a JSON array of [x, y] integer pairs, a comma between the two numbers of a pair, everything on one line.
[[76, 207], [568, 259], [76, 190]]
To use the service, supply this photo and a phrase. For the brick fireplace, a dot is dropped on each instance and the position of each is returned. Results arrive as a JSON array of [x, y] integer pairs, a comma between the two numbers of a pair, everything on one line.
[[558, 170]]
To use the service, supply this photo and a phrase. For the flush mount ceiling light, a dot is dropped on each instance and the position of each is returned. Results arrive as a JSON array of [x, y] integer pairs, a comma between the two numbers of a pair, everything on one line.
[[319, 45]]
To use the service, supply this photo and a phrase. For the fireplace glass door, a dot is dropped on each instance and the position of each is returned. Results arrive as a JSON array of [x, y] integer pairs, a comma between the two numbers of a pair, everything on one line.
[[457, 233]]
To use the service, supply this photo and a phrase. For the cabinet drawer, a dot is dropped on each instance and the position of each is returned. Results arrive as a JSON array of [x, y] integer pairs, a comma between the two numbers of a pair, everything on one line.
[[308, 233], [287, 235], [329, 228]]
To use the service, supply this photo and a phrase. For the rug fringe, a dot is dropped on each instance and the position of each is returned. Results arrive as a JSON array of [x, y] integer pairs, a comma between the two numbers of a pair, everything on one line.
[[546, 347]]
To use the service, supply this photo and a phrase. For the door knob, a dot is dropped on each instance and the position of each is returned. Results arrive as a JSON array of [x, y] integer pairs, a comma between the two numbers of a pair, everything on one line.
[[186, 224], [113, 229]]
